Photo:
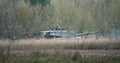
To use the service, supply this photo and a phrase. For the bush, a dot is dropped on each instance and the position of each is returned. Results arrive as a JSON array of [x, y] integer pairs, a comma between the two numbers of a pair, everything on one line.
[[42, 2]]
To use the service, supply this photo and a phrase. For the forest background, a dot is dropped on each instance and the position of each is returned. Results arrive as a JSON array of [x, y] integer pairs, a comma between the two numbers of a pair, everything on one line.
[[22, 17]]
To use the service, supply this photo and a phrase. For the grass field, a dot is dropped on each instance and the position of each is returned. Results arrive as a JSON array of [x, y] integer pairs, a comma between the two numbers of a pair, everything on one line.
[[65, 60], [80, 44], [54, 50]]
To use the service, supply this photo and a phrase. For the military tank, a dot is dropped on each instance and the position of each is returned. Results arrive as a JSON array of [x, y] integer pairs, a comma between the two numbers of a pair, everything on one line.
[[58, 32]]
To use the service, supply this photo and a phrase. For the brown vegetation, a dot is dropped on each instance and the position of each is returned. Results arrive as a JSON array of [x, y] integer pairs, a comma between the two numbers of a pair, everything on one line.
[[56, 50], [73, 43]]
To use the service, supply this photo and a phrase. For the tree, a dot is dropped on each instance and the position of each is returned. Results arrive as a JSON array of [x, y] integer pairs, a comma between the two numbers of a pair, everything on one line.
[[114, 14], [42, 2], [102, 13], [14, 18]]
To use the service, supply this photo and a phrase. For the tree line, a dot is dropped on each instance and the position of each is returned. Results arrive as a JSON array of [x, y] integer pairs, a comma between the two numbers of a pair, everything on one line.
[[24, 17]]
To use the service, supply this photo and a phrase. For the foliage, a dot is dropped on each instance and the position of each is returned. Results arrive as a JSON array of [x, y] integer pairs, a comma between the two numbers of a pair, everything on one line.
[[24, 17], [65, 59], [42, 2]]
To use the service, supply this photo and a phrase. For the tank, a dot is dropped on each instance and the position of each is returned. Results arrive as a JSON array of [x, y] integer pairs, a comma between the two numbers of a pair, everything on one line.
[[58, 33]]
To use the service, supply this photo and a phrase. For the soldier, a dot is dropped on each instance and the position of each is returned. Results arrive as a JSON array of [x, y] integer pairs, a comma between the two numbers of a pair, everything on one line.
[[57, 28]]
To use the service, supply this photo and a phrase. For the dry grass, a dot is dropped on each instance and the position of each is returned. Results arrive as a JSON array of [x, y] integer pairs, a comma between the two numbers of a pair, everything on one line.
[[70, 50], [74, 43]]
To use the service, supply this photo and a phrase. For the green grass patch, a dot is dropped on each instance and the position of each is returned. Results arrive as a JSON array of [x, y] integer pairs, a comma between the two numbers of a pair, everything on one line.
[[75, 59]]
